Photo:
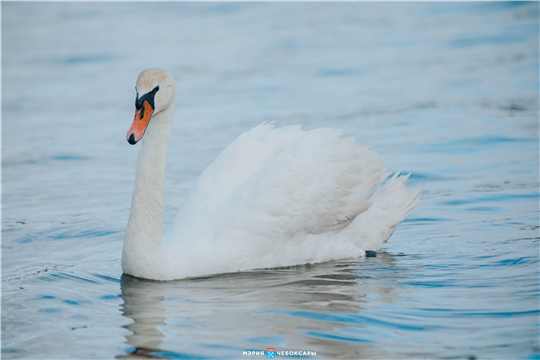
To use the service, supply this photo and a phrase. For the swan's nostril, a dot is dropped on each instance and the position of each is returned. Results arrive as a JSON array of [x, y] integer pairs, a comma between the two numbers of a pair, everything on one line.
[[131, 139]]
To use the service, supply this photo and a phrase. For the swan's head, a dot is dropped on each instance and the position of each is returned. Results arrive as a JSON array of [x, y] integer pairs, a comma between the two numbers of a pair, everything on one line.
[[156, 91]]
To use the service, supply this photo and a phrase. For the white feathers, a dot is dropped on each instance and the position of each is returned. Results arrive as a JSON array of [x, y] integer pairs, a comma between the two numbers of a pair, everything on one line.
[[274, 197]]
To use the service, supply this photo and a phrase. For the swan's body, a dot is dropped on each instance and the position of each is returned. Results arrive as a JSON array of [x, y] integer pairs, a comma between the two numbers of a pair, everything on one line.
[[274, 197]]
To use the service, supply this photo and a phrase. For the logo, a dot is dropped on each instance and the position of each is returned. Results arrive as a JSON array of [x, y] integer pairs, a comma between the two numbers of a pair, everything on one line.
[[270, 352]]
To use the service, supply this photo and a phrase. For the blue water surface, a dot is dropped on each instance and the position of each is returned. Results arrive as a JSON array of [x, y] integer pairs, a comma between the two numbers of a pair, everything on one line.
[[446, 91]]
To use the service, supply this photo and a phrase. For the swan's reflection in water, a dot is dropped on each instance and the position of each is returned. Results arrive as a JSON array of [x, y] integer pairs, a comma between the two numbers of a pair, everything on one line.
[[301, 308], [144, 303]]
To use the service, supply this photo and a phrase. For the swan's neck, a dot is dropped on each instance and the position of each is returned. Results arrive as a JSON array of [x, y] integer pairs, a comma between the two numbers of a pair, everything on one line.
[[142, 245]]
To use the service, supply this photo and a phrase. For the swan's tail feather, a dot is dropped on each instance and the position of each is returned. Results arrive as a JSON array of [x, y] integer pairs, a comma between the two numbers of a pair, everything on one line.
[[391, 204]]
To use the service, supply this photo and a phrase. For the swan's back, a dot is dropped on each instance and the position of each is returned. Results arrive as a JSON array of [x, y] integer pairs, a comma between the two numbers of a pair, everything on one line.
[[285, 187]]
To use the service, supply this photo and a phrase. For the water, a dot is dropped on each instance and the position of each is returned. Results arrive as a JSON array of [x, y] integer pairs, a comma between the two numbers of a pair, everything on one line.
[[447, 91]]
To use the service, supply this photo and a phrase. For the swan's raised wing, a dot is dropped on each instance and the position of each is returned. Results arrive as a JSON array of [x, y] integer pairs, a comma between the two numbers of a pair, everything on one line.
[[282, 181]]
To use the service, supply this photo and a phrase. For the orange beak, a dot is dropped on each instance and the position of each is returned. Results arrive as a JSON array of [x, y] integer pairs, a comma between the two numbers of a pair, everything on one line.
[[140, 123]]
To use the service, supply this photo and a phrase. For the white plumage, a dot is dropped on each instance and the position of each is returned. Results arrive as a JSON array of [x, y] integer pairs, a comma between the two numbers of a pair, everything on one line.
[[274, 197]]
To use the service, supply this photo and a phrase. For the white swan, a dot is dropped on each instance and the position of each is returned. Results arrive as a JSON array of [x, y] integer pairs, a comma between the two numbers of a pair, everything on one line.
[[274, 197]]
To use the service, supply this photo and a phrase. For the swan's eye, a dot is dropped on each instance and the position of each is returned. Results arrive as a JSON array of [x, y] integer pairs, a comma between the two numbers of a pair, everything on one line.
[[156, 89]]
